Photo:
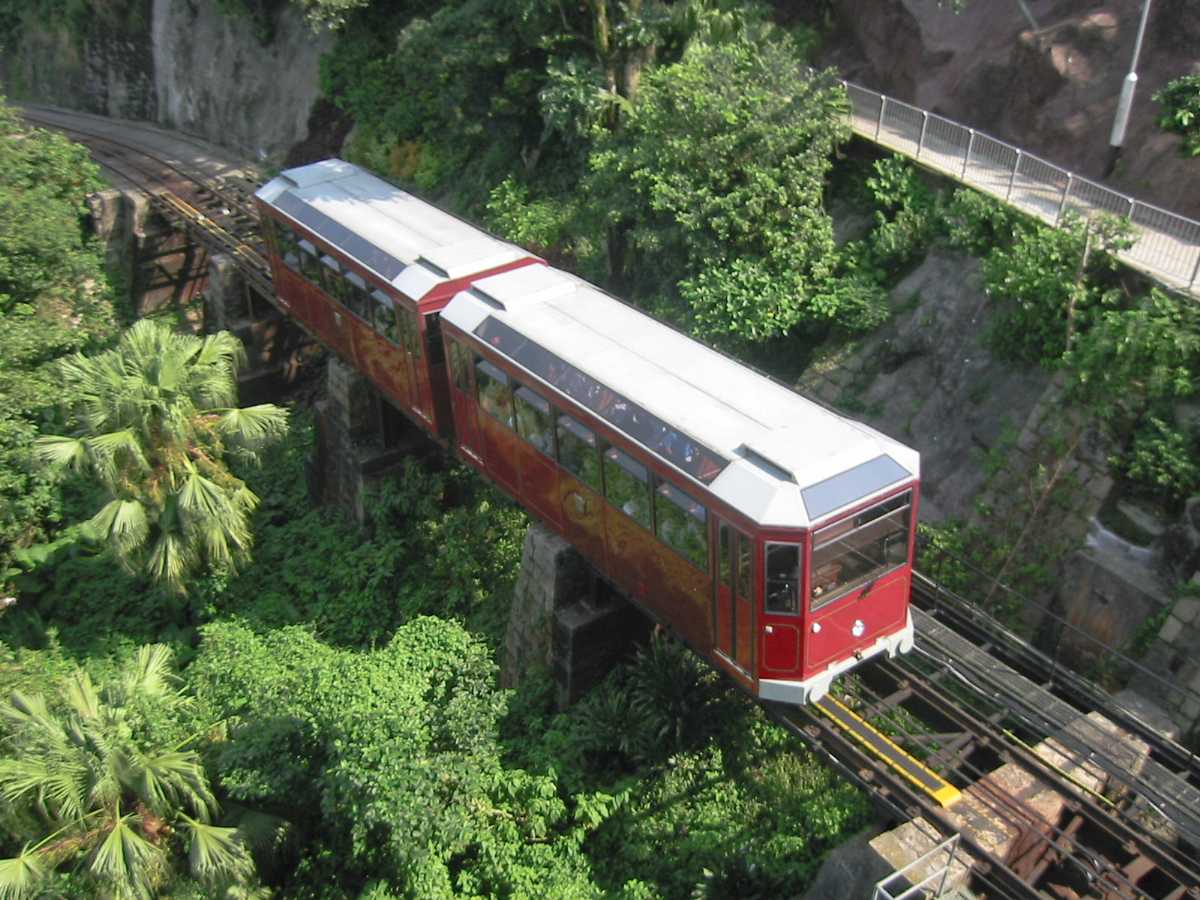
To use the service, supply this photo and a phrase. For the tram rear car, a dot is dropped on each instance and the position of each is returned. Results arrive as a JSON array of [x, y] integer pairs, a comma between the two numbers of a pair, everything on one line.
[[773, 535], [367, 268]]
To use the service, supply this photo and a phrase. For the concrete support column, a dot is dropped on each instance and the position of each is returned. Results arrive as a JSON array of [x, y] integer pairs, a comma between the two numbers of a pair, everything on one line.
[[560, 619], [225, 295], [118, 221], [353, 447]]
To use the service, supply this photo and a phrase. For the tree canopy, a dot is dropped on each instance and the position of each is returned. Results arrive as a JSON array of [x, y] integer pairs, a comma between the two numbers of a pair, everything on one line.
[[157, 418]]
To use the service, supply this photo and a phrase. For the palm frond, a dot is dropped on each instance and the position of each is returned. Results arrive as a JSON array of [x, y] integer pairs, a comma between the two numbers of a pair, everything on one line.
[[203, 498], [124, 523], [56, 452], [150, 672], [217, 854], [81, 694], [111, 449], [21, 876], [254, 427], [60, 783], [170, 559], [170, 778], [125, 859]]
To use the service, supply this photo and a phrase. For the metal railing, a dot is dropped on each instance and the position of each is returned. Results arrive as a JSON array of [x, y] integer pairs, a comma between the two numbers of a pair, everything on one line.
[[938, 873], [1166, 246]]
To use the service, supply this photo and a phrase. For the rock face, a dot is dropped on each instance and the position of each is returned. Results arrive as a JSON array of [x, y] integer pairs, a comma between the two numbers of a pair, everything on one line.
[[1050, 90], [213, 78], [927, 379], [182, 64]]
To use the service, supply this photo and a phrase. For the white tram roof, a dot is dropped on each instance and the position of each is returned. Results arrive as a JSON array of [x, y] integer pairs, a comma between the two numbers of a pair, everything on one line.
[[407, 242], [787, 461]]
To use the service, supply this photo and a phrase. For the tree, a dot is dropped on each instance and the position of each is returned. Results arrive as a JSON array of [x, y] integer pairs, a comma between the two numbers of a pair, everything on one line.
[[388, 762], [103, 780], [157, 421], [54, 300], [717, 176]]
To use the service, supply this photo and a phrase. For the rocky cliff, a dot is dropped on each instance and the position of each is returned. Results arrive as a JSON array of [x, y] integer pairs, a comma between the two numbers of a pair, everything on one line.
[[1051, 89], [180, 63]]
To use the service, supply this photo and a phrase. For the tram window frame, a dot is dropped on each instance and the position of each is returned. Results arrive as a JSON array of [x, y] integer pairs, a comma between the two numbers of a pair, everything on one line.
[[411, 330], [308, 251], [433, 340], [289, 247], [332, 282], [694, 516], [487, 376], [529, 405], [745, 566], [460, 367], [790, 594], [383, 317], [571, 435], [823, 591], [622, 476], [726, 564]]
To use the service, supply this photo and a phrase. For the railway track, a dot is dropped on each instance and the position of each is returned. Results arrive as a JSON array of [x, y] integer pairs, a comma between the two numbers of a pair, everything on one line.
[[955, 715], [217, 212]]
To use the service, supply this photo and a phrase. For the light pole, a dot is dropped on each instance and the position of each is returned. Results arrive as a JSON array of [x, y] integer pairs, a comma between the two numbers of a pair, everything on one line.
[[1125, 102]]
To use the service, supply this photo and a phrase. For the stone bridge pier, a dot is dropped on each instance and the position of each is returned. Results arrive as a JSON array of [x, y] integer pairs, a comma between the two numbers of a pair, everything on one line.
[[565, 618]]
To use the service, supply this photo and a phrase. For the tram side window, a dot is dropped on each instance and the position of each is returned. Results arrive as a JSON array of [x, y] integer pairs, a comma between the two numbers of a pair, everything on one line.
[[384, 318], [535, 422], [682, 523], [331, 279], [460, 366], [578, 451], [850, 553], [310, 266], [289, 248], [783, 578], [627, 485], [495, 392]]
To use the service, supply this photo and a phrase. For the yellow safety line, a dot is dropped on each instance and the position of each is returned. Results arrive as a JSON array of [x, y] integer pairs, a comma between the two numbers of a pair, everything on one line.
[[945, 795]]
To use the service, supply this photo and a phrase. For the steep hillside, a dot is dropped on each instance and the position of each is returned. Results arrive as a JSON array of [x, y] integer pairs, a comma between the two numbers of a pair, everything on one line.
[[1051, 90]]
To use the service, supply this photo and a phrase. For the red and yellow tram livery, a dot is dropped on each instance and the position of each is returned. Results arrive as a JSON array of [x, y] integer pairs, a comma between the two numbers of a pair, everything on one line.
[[773, 535]]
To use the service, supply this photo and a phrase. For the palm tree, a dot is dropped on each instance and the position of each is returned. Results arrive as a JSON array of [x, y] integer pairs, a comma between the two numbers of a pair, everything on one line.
[[158, 418], [114, 797]]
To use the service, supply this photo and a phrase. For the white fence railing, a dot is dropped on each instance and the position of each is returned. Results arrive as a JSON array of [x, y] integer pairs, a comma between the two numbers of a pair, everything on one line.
[[925, 867], [1166, 245]]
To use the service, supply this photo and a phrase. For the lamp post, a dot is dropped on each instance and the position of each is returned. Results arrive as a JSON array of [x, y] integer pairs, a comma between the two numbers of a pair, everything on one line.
[[1125, 102]]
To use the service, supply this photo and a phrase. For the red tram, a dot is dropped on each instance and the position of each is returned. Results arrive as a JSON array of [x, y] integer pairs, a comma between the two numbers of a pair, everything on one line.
[[773, 535]]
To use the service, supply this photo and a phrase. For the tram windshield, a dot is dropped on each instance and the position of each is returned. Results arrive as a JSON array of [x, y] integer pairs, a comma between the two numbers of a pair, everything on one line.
[[852, 552]]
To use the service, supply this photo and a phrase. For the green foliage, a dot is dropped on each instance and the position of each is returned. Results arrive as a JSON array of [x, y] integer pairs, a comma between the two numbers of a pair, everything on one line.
[[976, 222], [389, 758], [908, 215], [750, 818], [1180, 102], [156, 419], [715, 175], [456, 82], [1048, 280], [102, 784], [54, 300], [1134, 356], [1161, 460]]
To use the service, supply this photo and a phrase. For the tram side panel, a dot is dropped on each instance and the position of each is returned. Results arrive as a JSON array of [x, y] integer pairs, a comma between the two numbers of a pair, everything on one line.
[[589, 484]]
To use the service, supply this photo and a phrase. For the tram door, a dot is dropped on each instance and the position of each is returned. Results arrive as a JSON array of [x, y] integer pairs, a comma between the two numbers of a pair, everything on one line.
[[733, 608], [462, 400]]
